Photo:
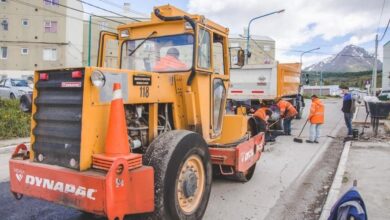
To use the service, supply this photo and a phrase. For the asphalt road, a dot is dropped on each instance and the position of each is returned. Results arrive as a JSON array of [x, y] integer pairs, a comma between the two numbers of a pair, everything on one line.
[[281, 169]]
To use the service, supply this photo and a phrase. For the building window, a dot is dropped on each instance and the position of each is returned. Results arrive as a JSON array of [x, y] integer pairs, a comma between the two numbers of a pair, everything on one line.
[[24, 51], [50, 26], [4, 52], [51, 2], [50, 54], [4, 24], [103, 25], [25, 22]]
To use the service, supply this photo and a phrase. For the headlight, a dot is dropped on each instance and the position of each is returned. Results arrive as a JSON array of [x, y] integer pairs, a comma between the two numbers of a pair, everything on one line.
[[98, 79], [22, 92]]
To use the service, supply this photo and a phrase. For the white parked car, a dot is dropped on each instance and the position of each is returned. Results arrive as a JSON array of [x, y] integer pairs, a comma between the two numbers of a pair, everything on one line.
[[384, 95], [14, 88]]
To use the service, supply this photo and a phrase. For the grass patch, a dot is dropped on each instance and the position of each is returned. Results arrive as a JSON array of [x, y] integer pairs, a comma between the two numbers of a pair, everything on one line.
[[13, 122]]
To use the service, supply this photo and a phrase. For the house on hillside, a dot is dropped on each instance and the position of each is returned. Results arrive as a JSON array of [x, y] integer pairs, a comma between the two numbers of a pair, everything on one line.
[[386, 67]]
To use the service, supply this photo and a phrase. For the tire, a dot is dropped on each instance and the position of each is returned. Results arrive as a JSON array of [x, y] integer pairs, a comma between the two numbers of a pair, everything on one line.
[[182, 170], [12, 96], [25, 104]]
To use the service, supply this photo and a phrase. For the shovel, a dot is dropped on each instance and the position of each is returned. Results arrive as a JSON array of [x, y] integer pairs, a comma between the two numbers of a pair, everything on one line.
[[297, 139]]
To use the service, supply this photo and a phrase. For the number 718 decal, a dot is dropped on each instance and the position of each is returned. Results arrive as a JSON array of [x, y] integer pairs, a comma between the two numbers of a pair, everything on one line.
[[144, 91]]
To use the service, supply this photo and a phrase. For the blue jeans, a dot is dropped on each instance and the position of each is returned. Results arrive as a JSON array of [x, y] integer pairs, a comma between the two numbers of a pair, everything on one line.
[[315, 132], [348, 122], [287, 125]]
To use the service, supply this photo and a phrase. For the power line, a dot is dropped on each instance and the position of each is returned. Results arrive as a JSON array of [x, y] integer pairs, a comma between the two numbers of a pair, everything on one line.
[[58, 13], [121, 7], [81, 11], [384, 33], [380, 17], [134, 19]]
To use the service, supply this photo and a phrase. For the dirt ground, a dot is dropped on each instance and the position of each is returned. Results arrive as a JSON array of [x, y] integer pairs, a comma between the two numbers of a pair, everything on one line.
[[306, 196]]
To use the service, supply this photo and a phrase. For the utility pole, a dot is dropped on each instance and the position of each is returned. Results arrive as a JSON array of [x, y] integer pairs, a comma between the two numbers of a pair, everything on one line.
[[374, 69], [89, 39]]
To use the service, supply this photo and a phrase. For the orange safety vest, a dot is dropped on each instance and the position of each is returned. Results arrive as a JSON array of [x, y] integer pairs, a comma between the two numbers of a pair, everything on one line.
[[260, 113], [316, 112], [169, 63], [288, 108]]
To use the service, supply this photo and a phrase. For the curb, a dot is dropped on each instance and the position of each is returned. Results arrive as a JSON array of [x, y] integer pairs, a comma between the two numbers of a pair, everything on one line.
[[334, 190], [11, 148]]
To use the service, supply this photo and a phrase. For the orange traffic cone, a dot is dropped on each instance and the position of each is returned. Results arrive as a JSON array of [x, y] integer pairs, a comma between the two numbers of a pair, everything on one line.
[[117, 143], [116, 140]]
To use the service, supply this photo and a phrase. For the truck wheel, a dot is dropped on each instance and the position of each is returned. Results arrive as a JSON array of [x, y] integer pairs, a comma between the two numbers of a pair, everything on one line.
[[12, 96], [182, 175]]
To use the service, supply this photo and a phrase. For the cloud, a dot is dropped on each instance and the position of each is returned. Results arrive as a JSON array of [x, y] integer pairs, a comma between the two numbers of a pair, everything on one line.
[[302, 22]]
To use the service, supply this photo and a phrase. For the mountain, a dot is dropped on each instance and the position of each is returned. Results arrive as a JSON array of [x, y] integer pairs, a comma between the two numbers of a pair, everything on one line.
[[350, 59]]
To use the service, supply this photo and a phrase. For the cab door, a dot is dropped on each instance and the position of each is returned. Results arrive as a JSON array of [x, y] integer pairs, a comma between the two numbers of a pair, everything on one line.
[[211, 62], [108, 53], [219, 81]]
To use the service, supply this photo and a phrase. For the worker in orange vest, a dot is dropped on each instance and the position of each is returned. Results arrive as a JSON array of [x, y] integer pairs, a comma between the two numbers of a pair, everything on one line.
[[287, 113], [316, 119], [262, 115], [170, 62]]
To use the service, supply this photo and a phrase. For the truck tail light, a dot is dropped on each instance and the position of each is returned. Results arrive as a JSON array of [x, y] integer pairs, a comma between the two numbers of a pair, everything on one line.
[[77, 74], [44, 76], [236, 91]]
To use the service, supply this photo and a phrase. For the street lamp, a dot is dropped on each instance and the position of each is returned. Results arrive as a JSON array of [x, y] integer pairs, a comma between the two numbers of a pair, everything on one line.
[[249, 27], [307, 51]]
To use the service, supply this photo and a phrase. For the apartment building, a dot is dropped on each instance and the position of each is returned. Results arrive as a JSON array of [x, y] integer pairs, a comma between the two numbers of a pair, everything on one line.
[[40, 34], [386, 67], [262, 48]]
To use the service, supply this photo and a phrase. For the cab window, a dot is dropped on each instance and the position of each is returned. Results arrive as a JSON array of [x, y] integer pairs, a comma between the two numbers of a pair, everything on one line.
[[218, 54], [204, 60]]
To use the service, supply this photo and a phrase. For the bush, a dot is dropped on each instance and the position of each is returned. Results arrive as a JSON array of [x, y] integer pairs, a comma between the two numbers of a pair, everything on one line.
[[13, 122]]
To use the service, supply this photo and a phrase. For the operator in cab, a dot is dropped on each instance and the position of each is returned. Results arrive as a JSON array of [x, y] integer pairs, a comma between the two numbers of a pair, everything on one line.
[[170, 62], [287, 112]]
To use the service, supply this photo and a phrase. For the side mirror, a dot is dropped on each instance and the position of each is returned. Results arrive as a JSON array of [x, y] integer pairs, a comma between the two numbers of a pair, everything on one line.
[[240, 57]]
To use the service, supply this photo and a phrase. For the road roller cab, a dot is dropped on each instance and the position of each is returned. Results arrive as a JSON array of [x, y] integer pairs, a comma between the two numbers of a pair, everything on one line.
[[144, 131]]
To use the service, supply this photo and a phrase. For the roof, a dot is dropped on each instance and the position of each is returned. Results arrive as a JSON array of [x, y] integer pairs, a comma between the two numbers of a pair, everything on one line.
[[254, 37]]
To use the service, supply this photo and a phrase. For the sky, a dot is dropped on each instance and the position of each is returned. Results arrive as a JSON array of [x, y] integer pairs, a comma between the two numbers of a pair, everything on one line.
[[305, 24]]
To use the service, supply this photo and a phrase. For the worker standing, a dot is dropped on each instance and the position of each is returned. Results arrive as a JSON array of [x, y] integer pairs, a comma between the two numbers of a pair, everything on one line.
[[262, 115], [316, 119], [287, 113], [349, 108]]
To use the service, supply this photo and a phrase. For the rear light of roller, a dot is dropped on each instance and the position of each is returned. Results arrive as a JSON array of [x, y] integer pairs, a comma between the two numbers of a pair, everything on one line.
[[44, 76], [77, 74]]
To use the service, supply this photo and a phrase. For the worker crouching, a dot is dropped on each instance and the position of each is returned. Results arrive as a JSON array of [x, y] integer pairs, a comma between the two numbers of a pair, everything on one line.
[[262, 116], [316, 119]]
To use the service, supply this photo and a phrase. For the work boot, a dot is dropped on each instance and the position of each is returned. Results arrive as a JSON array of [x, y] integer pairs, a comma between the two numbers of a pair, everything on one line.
[[316, 142], [309, 141]]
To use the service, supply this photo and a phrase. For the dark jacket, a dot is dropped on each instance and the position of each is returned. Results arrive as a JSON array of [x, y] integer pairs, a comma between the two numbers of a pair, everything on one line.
[[349, 105]]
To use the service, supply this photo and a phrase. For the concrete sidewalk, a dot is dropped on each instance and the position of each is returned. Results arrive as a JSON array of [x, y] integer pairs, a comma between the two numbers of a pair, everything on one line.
[[368, 162]]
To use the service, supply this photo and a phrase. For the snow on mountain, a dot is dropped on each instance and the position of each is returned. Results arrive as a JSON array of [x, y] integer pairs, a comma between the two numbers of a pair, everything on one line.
[[350, 59]]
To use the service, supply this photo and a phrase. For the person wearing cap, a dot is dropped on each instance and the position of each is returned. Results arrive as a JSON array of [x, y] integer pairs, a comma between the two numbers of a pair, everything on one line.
[[287, 113], [170, 62], [262, 115], [316, 119]]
